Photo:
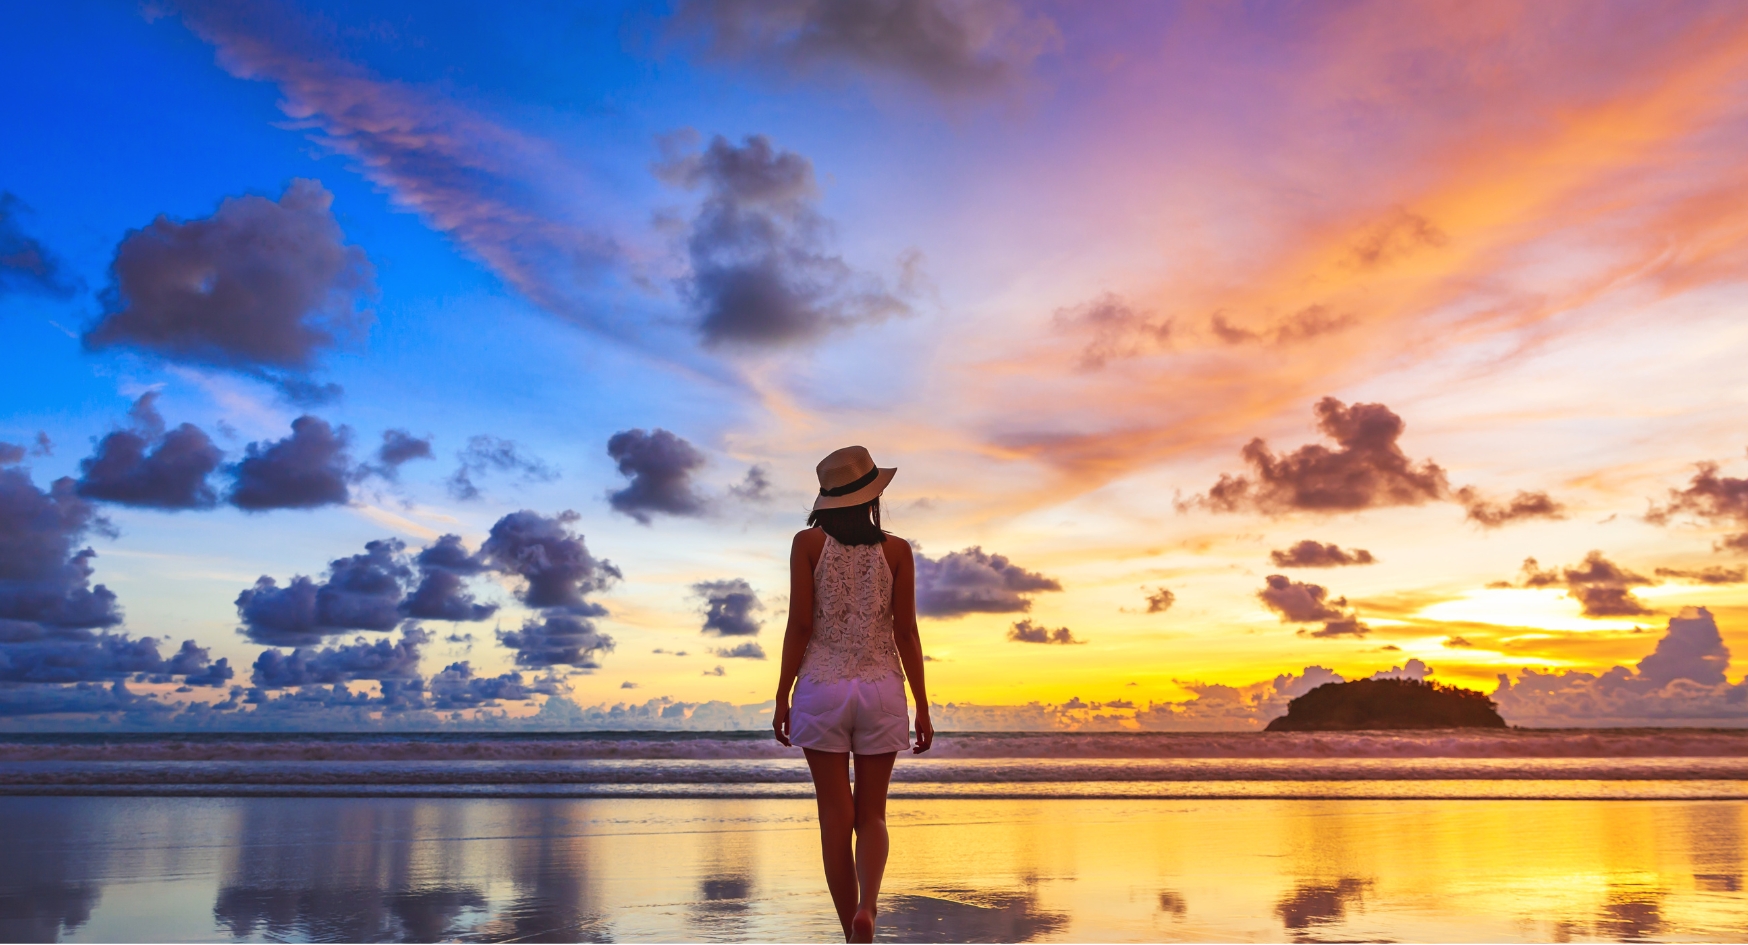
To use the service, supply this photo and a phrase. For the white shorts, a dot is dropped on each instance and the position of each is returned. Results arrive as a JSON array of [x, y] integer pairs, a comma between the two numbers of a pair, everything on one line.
[[867, 718]]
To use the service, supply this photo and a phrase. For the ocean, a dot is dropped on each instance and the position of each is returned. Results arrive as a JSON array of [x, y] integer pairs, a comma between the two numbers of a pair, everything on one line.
[[1623, 764], [1442, 836]]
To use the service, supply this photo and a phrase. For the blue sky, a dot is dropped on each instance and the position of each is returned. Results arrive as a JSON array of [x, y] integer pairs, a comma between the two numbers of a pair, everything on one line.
[[1059, 265]]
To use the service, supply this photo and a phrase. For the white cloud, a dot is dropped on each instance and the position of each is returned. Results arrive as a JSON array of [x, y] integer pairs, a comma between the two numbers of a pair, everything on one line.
[[1681, 683]]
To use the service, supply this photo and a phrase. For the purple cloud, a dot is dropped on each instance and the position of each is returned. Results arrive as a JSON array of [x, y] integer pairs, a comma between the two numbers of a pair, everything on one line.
[[1366, 469], [308, 469], [973, 581], [758, 276], [1025, 631], [952, 49], [660, 466], [506, 197], [260, 286], [26, 265], [150, 467], [1316, 554]]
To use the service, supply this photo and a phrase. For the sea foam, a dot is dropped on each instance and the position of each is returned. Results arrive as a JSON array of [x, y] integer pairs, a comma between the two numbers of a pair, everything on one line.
[[706, 746]]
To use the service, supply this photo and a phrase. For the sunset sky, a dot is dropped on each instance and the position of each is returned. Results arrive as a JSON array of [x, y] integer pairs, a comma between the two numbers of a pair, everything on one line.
[[1138, 297]]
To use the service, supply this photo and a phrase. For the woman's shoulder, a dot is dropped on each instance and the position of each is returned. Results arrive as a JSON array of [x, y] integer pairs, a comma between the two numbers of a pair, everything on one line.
[[809, 544], [897, 550]]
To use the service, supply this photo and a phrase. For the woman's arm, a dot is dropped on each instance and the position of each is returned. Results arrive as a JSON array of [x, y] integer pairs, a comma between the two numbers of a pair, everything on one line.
[[910, 642], [796, 634]]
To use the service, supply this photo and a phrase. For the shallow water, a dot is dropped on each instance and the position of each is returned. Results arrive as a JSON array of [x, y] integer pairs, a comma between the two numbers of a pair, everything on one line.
[[1058, 869]]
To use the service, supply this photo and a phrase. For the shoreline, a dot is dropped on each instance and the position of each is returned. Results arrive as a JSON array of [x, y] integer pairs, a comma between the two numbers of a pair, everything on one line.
[[1705, 790]]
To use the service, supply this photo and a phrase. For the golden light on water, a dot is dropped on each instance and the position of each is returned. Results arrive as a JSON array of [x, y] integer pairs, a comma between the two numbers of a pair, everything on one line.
[[961, 870]]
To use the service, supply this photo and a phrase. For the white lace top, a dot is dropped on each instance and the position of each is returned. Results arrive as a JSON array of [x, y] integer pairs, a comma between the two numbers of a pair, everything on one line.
[[852, 616]]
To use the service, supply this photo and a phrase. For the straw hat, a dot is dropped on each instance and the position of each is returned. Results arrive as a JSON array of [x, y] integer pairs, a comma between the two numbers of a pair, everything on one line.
[[849, 477]]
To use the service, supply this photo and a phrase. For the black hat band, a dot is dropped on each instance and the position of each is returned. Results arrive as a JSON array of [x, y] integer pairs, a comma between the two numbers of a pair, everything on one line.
[[873, 474]]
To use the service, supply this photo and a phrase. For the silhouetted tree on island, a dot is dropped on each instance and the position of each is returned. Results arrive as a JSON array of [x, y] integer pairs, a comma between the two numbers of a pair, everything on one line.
[[1387, 704]]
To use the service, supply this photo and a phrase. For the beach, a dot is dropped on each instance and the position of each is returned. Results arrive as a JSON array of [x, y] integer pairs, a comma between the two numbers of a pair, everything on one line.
[[711, 837], [1289, 457], [398, 869]]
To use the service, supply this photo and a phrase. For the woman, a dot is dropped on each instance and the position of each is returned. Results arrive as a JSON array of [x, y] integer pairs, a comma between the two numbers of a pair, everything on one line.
[[852, 640]]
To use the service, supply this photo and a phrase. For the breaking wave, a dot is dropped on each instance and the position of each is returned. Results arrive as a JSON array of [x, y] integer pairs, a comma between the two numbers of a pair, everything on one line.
[[746, 746], [1622, 763]]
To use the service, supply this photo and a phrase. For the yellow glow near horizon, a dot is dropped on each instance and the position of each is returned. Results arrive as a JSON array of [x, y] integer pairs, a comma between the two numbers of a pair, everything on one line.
[[1541, 608]]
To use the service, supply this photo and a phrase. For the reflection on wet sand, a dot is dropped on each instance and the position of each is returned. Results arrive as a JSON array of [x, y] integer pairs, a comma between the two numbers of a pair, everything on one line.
[[294, 876], [551, 873], [41, 912], [1628, 915], [108, 869], [355, 914], [43, 898], [1311, 905], [725, 894], [723, 904], [720, 912], [1714, 834], [1631, 915], [963, 915]]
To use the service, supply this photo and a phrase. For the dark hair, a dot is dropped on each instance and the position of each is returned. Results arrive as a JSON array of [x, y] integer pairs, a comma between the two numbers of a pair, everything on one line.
[[851, 525]]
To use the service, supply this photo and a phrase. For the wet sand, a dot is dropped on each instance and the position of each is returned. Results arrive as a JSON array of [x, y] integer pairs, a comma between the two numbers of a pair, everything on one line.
[[380, 869]]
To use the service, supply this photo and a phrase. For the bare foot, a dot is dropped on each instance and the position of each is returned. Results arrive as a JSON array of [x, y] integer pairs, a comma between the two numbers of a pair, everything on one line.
[[862, 926]]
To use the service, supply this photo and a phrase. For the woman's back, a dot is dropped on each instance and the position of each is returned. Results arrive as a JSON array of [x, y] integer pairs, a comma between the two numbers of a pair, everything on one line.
[[850, 646], [852, 615]]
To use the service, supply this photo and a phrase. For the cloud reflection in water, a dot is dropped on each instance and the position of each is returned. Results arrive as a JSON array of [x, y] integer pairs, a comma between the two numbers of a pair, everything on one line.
[[44, 898], [1312, 905], [963, 915]]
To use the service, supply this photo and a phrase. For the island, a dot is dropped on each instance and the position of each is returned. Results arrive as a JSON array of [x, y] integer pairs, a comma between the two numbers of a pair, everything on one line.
[[1387, 704]]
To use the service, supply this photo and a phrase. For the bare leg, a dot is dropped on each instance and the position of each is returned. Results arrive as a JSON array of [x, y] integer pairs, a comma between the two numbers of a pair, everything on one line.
[[837, 819], [873, 775]]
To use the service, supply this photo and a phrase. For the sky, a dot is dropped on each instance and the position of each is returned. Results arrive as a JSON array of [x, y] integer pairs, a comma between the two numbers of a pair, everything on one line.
[[443, 362]]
